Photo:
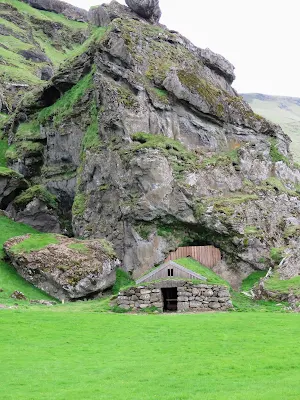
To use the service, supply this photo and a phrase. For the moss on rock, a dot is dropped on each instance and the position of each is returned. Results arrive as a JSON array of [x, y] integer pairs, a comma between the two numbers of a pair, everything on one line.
[[36, 192], [23, 149]]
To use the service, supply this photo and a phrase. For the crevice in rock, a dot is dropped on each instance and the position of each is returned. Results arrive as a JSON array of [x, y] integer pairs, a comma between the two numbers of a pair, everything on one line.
[[50, 96]]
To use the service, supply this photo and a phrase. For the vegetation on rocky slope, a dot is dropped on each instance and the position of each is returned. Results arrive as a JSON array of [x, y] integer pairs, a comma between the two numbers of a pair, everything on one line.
[[283, 286], [63, 107], [29, 29], [36, 192]]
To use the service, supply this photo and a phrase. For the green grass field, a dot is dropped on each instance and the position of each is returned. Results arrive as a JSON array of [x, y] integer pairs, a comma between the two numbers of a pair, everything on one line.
[[89, 356]]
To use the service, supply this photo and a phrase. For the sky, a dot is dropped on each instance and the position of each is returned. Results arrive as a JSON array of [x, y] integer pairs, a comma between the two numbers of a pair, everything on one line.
[[259, 37]]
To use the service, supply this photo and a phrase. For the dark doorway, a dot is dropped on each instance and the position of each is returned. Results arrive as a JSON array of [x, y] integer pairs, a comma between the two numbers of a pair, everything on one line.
[[170, 299]]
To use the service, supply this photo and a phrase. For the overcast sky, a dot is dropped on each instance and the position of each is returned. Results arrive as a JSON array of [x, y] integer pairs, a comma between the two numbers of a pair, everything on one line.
[[259, 37]]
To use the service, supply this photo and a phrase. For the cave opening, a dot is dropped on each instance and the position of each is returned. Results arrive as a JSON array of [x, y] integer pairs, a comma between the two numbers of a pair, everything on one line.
[[50, 96]]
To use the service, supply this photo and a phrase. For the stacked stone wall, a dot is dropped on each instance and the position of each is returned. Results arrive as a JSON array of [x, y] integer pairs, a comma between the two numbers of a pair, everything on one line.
[[191, 296]]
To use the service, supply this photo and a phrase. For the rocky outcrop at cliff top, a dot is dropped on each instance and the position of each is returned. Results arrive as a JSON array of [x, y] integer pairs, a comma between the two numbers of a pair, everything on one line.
[[67, 269], [147, 131], [60, 7], [148, 9]]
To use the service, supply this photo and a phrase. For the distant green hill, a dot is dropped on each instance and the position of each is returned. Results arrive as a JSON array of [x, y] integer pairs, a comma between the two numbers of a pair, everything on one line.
[[284, 111]]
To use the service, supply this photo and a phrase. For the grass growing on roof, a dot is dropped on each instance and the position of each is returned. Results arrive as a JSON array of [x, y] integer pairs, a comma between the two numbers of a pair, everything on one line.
[[34, 243], [195, 266]]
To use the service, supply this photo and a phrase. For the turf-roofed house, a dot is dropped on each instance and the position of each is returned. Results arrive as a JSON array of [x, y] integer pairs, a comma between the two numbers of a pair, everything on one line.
[[173, 287]]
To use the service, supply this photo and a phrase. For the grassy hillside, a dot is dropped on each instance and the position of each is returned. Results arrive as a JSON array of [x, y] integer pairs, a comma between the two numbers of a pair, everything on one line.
[[24, 28], [284, 111], [215, 356]]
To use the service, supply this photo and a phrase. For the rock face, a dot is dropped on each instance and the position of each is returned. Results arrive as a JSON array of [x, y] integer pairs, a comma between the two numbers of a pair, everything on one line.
[[59, 7], [191, 297], [99, 16], [37, 214], [148, 9], [11, 185], [145, 136], [69, 269]]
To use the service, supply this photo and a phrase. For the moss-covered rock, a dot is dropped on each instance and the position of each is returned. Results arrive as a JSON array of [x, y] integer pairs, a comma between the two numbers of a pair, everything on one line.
[[65, 268], [36, 192]]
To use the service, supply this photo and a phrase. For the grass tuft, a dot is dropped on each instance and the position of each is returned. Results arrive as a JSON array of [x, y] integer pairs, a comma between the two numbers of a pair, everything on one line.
[[34, 243], [80, 247], [251, 280], [123, 280]]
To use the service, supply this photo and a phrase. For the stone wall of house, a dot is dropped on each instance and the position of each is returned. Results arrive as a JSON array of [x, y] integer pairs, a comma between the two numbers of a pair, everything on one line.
[[191, 296]]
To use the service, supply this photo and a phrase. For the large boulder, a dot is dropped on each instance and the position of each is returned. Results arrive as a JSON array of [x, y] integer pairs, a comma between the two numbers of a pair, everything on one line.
[[67, 269], [148, 9]]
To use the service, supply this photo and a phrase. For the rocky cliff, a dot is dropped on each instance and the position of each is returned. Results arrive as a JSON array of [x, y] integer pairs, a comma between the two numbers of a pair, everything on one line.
[[143, 136]]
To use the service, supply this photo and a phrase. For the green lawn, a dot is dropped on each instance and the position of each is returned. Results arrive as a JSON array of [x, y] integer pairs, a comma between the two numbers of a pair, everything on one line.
[[89, 356]]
